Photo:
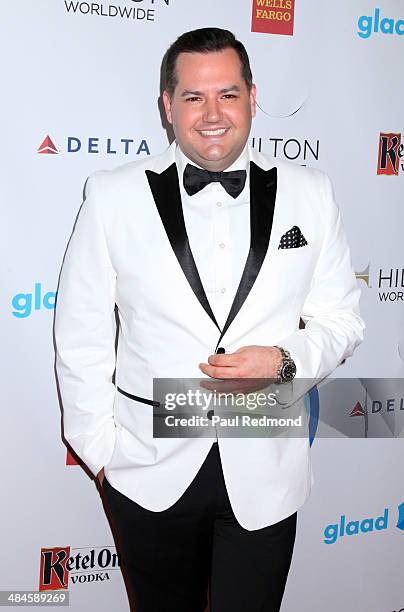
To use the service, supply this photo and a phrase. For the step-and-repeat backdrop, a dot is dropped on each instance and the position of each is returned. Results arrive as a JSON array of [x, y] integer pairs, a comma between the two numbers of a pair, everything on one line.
[[80, 92]]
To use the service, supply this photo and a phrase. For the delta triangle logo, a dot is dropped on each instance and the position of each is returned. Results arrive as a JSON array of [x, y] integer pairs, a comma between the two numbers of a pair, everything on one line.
[[357, 410], [47, 147]]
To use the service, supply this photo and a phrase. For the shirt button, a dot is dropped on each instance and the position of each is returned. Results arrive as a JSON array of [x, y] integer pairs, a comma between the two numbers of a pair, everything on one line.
[[223, 289], [219, 204], [222, 245]]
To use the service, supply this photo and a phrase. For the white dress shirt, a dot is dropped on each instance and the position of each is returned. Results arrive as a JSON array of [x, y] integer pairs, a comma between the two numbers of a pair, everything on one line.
[[218, 228]]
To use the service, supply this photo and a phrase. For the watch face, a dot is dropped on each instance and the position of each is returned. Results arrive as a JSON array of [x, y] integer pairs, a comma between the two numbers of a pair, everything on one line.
[[288, 371]]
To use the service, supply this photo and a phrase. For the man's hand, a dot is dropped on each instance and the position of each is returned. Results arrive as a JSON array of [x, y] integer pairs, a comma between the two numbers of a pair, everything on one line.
[[246, 362], [100, 476]]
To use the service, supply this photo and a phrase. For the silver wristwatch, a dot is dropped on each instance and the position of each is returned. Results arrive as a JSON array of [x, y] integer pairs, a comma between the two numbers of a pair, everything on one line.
[[287, 369]]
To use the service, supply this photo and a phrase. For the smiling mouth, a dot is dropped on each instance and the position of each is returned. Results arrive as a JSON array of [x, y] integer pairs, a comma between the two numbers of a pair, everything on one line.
[[208, 133]]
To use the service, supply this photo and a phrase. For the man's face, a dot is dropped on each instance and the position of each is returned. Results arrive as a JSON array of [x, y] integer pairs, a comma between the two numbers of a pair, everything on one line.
[[211, 108]]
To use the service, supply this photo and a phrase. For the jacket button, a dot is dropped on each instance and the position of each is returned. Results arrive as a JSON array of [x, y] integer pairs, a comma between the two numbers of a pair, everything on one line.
[[220, 350], [210, 414]]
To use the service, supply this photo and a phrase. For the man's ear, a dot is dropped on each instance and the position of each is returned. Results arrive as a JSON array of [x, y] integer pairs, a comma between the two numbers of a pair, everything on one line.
[[253, 100], [167, 105]]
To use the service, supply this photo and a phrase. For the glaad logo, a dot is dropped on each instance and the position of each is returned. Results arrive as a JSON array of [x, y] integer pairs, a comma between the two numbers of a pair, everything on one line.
[[339, 530], [123, 146], [368, 25], [390, 153], [114, 10], [367, 525], [24, 302], [56, 563]]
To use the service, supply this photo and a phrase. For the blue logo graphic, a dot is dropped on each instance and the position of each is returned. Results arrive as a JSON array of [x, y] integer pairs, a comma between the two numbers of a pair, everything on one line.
[[400, 521], [368, 25], [312, 405], [24, 303]]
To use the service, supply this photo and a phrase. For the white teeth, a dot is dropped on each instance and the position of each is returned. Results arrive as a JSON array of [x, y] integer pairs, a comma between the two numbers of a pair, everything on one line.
[[212, 132]]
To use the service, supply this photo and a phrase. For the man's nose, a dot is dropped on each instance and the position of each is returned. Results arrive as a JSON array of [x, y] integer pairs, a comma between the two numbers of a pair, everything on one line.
[[212, 111]]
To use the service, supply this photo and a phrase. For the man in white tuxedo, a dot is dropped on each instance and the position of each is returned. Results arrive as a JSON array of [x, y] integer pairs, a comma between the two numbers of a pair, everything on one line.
[[212, 254]]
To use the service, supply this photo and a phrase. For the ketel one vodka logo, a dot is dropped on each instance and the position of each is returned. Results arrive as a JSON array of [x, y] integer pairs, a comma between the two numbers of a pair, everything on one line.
[[390, 153], [63, 563]]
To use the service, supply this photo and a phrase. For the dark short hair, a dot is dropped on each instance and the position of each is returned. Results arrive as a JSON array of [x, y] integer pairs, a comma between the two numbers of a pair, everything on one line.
[[204, 40]]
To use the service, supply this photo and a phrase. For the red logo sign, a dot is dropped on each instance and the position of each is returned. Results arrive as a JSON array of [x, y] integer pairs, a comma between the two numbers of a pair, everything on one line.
[[53, 572], [273, 16], [47, 147], [72, 459], [357, 410], [390, 153]]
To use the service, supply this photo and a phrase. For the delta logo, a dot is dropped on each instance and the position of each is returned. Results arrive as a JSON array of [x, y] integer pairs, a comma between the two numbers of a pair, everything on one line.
[[391, 151], [391, 404], [60, 564], [95, 145], [273, 16], [357, 410], [343, 528]]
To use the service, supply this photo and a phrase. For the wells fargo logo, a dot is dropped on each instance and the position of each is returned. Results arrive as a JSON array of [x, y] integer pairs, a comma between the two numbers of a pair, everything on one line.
[[273, 16]]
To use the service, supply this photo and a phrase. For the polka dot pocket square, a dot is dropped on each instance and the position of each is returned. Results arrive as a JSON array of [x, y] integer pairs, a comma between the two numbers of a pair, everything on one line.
[[292, 239]]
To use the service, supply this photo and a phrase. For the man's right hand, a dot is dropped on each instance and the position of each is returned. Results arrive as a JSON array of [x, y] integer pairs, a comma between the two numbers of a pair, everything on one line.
[[101, 476]]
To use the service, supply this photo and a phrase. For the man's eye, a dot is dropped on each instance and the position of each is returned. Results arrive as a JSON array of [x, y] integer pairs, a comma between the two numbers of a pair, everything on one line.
[[229, 96], [193, 99]]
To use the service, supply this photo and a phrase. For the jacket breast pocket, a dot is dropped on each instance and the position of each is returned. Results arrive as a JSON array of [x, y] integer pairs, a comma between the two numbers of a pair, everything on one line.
[[296, 265]]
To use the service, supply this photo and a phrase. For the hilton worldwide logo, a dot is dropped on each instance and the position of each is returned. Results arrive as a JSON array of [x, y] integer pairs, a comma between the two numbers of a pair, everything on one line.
[[390, 282], [132, 10]]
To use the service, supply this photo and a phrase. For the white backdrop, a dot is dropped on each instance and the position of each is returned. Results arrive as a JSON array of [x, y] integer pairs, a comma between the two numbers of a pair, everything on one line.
[[91, 83]]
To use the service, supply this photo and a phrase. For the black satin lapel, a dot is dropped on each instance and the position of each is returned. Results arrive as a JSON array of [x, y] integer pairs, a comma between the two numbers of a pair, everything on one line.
[[166, 193], [263, 184]]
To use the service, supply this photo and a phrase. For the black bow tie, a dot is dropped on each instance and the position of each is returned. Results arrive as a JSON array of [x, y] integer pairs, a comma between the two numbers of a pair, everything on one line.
[[196, 179]]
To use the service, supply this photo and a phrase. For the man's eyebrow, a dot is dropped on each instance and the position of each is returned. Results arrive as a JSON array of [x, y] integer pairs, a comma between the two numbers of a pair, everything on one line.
[[187, 92], [231, 88], [225, 90]]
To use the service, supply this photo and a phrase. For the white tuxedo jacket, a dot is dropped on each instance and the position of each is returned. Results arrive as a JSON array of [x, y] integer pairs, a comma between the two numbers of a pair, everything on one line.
[[129, 247]]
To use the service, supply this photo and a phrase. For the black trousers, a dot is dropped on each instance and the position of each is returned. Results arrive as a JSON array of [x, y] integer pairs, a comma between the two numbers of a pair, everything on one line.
[[172, 557]]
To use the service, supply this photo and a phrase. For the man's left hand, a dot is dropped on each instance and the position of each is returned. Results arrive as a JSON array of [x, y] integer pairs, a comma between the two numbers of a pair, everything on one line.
[[246, 362]]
